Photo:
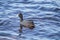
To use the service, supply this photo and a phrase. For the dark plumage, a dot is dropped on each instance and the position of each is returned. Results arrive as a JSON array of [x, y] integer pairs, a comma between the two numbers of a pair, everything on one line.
[[25, 23]]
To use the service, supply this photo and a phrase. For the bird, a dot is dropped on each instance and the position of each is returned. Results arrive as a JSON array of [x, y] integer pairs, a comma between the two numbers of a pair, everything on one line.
[[25, 23]]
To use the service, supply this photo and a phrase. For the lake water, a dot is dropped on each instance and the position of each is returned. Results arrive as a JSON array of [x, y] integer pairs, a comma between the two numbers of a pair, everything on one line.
[[44, 13]]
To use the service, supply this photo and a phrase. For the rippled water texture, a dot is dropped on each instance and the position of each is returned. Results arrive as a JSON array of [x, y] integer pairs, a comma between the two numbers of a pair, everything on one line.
[[44, 13]]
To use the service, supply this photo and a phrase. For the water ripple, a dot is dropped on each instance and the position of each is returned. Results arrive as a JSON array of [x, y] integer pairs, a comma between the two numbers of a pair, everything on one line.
[[45, 14]]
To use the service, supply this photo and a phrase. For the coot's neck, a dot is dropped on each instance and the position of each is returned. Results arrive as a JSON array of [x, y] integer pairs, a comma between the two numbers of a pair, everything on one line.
[[21, 17]]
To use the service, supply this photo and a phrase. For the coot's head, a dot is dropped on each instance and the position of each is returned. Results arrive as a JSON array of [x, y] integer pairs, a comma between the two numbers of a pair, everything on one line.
[[20, 15]]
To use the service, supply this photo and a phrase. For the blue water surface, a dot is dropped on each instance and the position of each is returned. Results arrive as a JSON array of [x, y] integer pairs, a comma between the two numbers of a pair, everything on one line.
[[44, 13]]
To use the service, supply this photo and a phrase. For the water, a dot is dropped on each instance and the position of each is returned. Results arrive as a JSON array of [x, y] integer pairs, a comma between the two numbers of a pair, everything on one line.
[[44, 13]]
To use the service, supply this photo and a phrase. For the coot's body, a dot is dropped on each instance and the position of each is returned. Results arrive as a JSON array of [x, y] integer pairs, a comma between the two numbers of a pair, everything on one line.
[[25, 23]]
